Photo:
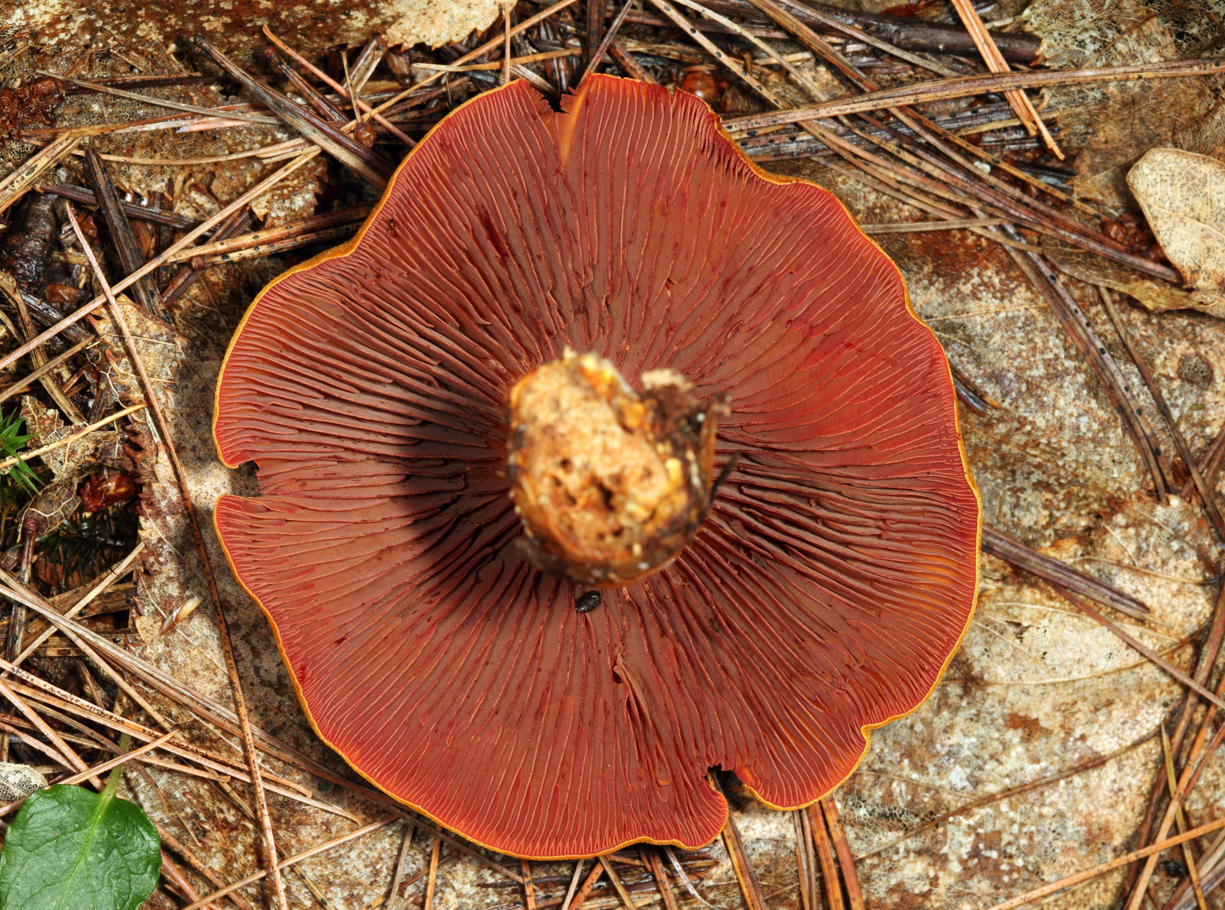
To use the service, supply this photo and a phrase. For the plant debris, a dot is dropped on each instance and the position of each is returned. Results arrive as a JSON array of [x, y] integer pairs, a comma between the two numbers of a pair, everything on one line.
[[1036, 765], [1183, 197]]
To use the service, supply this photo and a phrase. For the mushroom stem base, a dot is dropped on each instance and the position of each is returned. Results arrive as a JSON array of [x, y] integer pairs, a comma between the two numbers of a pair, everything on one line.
[[609, 484]]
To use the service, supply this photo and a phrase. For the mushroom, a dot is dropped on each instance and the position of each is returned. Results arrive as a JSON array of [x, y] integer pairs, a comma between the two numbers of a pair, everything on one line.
[[449, 636]]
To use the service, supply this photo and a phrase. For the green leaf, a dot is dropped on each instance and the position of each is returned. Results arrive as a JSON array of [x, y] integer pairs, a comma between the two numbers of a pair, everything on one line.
[[72, 849]]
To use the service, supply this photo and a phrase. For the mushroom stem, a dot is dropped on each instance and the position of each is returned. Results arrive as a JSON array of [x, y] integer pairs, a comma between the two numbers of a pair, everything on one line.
[[610, 485]]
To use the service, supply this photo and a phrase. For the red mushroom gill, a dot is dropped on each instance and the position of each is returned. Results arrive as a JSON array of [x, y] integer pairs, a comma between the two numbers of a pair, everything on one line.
[[822, 591]]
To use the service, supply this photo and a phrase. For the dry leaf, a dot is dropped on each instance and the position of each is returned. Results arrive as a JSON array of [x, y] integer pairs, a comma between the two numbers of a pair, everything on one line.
[[157, 344], [19, 781], [1112, 124], [296, 197], [1154, 295], [102, 446], [1183, 197]]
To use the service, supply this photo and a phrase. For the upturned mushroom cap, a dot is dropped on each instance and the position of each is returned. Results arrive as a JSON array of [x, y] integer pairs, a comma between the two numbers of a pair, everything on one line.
[[823, 594]]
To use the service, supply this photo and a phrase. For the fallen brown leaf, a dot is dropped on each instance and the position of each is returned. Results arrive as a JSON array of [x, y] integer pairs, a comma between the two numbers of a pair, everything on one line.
[[1183, 197], [1155, 296]]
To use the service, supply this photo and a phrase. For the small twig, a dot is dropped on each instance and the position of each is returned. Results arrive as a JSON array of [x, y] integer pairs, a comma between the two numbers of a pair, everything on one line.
[[122, 758], [1196, 763], [159, 260], [30, 171], [1212, 865], [163, 102], [1076, 325], [431, 883], [216, 767], [915, 227], [351, 94], [830, 20], [490, 67], [189, 856], [94, 646], [574, 880], [593, 44], [276, 151], [291, 241], [934, 175], [968, 86], [322, 105], [953, 176], [397, 875], [802, 78], [1017, 554], [953, 172], [375, 113], [914, 34], [585, 889], [626, 61], [969, 394], [46, 314], [270, 235], [1171, 778], [151, 213], [117, 572], [1018, 100], [227, 648], [340, 145], [529, 887], [171, 870], [20, 299], [922, 126], [825, 856], [292, 861], [182, 281], [178, 122], [312, 228], [149, 80], [1047, 890], [24, 383], [667, 49], [618, 885], [537, 81], [596, 54], [749, 887], [13, 460], [805, 860], [63, 752], [77, 634], [506, 43], [163, 235], [850, 878], [1207, 494], [474, 54], [1214, 639], [367, 62], [120, 231], [1210, 463], [650, 858]]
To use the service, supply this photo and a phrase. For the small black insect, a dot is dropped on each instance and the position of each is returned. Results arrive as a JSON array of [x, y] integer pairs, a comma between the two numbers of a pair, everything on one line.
[[1174, 869], [588, 601]]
